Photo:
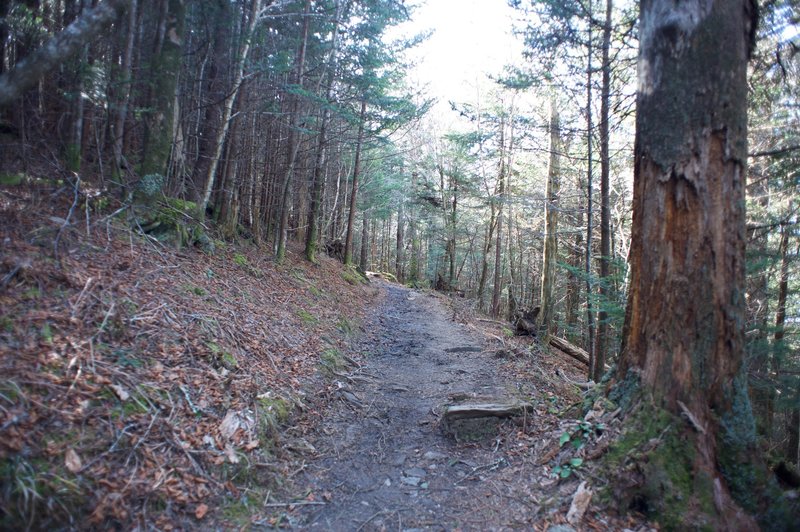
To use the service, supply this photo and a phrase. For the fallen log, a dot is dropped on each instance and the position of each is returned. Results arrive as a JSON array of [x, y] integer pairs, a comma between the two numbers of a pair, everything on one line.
[[478, 410], [573, 350], [570, 349]]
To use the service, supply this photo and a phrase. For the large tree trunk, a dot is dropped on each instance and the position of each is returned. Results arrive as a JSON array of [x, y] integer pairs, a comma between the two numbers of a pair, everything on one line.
[[589, 207], [498, 250], [599, 358], [487, 249], [573, 280], [451, 234], [779, 354], [683, 340], [165, 68], [351, 216], [363, 263], [212, 91], [293, 145], [550, 252], [414, 273], [400, 257], [124, 89], [227, 104], [318, 179], [512, 265]]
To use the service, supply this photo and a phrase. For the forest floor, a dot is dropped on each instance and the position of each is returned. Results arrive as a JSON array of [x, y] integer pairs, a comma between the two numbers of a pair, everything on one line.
[[150, 387], [385, 460]]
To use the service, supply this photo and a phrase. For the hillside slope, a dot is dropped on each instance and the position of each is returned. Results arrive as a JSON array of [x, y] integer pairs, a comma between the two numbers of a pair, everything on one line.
[[141, 383]]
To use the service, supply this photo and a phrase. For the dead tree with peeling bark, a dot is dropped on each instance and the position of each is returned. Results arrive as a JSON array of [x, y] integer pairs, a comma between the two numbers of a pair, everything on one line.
[[681, 368]]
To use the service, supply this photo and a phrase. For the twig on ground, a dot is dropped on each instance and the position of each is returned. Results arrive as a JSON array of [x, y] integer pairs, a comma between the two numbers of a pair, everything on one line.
[[373, 516], [588, 385], [298, 503], [77, 195], [485, 467]]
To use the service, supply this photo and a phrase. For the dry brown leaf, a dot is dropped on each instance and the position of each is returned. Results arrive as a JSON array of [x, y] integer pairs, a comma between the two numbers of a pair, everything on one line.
[[120, 391], [580, 502], [72, 461], [201, 511], [251, 445], [235, 420], [230, 452]]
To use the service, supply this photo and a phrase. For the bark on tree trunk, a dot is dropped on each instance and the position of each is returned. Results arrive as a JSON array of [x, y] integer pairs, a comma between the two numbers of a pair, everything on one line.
[[683, 340], [165, 68], [550, 252], [399, 263], [363, 263], [589, 206], [779, 347], [351, 216], [451, 243], [599, 358], [293, 145], [573, 280], [318, 180], [238, 76], [487, 250], [512, 267], [498, 250], [414, 273], [124, 89]]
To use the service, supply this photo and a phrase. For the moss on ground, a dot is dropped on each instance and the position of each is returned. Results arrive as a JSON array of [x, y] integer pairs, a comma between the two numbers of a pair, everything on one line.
[[353, 276], [333, 361], [11, 180], [306, 317], [175, 221], [272, 411]]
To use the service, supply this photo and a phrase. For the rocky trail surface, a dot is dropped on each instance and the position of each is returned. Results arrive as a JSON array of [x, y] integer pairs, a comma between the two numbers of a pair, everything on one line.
[[386, 462]]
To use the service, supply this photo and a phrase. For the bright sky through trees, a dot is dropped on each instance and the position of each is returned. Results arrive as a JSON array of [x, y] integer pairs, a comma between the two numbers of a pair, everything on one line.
[[471, 38]]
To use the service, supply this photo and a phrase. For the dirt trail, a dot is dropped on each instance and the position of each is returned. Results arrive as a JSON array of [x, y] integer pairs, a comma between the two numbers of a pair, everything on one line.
[[385, 462]]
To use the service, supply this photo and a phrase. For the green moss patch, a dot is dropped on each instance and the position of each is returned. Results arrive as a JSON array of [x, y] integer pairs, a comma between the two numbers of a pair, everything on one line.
[[11, 180], [651, 467], [222, 357], [272, 411], [306, 317], [174, 221], [196, 290], [353, 276], [332, 361]]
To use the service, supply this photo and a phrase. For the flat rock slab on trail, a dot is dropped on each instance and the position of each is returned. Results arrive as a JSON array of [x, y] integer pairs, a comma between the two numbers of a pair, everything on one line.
[[385, 460]]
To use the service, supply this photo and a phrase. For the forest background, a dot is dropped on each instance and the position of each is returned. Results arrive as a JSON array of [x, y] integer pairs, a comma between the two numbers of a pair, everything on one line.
[[281, 121]]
